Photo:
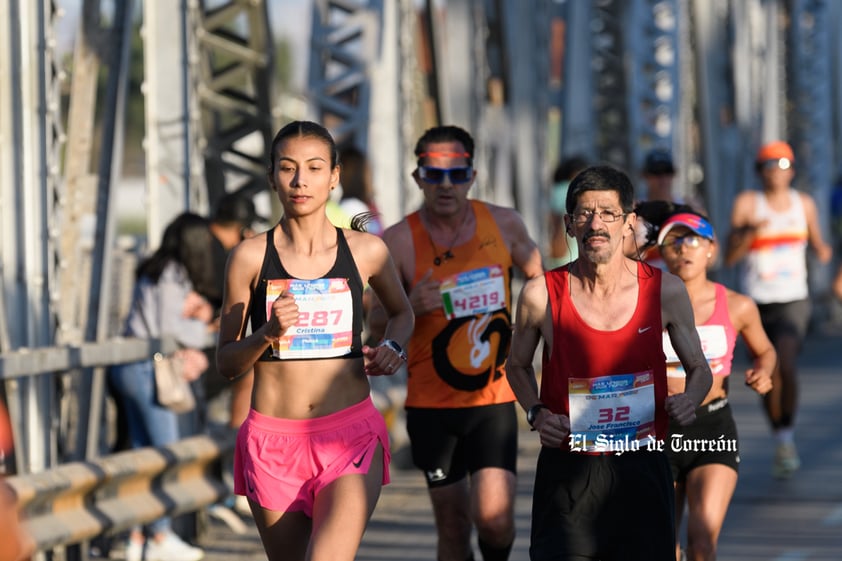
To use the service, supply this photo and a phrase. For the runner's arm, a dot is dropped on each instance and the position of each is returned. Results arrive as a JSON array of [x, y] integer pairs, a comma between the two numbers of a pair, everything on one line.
[[678, 319]]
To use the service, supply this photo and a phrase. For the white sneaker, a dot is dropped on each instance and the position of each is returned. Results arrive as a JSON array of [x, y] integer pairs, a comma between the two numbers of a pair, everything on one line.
[[134, 551], [172, 548]]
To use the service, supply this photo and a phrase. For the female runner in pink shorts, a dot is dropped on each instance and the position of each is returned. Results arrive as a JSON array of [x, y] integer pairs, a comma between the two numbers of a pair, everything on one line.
[[313, 453]]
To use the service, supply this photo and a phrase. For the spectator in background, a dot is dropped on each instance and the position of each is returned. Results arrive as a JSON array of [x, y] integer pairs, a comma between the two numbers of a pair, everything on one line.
[[659, 173], [166, 302], [358, 196], [563, 248], [234, 219], [357, 190], [770, 232]]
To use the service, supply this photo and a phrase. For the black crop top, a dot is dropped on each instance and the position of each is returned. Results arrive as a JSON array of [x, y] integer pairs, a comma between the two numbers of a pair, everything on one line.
[[330, 308]]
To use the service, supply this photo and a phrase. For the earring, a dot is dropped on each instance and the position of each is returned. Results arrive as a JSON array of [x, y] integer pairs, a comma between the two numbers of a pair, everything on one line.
[[710, 255]]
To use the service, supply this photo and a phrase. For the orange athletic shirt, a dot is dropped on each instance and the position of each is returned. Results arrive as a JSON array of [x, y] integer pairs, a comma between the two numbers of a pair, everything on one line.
[[580, 351], [459, 362]]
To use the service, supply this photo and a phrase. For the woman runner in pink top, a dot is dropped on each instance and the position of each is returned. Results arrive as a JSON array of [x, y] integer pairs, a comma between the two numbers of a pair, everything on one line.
[[704, 456]]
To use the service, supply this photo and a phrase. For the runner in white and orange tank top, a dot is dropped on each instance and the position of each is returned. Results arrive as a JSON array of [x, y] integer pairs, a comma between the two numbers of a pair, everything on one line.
[[771, 231]]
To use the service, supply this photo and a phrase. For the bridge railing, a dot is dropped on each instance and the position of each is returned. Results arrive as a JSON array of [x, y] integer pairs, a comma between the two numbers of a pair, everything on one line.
[[73, 502], [78, 501]]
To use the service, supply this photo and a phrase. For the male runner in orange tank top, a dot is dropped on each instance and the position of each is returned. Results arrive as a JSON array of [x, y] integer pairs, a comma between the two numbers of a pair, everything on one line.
[[455, 257]]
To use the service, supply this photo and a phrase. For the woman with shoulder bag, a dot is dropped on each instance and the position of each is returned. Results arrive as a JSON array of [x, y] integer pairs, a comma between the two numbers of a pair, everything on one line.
[[166, 302]]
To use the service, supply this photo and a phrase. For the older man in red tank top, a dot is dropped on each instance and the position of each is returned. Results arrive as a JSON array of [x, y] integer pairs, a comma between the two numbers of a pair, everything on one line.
[[603, 486]]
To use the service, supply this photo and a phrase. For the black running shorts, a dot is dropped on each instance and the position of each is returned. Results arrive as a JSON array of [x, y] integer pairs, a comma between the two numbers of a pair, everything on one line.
[[448, 444], [607, 507], [711, 439]]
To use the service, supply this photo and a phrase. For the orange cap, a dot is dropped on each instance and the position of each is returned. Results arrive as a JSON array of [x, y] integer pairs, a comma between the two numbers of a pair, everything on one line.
[[775, 151]]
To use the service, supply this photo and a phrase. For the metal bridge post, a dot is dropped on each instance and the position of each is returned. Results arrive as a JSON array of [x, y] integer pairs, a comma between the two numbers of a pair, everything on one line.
[[810, 122], [578, 118], [720, 150], [172, 184], [651, 34], [345, 41], [235, 66], [31, 136]]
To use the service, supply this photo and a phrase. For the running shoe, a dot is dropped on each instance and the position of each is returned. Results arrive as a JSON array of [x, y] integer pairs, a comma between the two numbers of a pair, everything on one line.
[[134, 550], [787, 461], [171, 548]]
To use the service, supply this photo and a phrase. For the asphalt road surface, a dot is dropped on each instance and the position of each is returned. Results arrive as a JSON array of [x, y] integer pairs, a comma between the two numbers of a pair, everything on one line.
[[770, 520]]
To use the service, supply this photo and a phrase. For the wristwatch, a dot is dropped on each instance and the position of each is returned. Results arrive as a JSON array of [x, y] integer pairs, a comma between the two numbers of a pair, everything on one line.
[[395, 347], [532, 413]]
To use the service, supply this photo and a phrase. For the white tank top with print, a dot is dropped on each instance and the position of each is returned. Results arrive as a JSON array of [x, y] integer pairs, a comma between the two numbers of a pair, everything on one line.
[[776, 266]]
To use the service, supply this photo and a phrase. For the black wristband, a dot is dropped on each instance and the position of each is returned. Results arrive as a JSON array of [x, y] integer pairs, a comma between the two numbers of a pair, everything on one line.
[[532, 413]]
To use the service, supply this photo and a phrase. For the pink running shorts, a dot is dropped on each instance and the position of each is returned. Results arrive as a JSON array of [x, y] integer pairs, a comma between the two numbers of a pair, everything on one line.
[[282, 464]]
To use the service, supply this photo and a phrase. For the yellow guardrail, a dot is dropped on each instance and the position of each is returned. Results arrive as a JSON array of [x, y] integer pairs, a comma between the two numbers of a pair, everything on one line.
[[78, 501]]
